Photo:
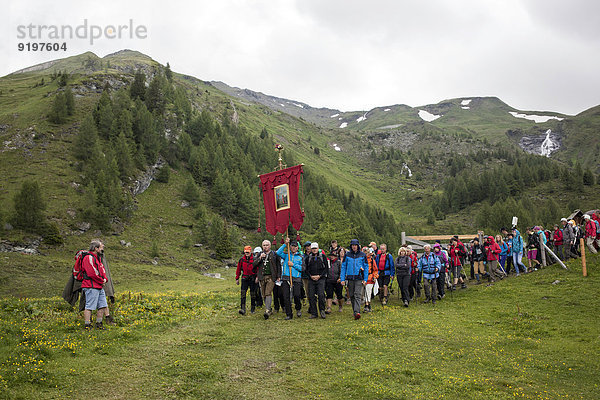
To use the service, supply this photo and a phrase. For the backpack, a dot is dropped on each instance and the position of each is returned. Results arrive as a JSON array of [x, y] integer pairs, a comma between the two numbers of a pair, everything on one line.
[[78, 272], [597, 226]]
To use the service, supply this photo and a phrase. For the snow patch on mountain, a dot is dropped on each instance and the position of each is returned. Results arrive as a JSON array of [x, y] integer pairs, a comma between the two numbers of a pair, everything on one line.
[[387, 109], [427, 116], [465, 108], [465, 102], [335, 115], [535, 118], [343, 125], [336, 147]]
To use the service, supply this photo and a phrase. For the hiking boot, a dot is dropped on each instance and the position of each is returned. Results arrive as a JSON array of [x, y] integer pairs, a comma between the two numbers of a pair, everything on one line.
[[87, 327], [312, 316], [266, 314], [298, 313], [433, 301], [328, 310], [252, 310], [463, 286], [366, 310], [242, 310], [99, 326], [453, 287], [384, 302], [340, 308], [323, 314], [405, 303], [357, 315], [427, 300], [288, 317]]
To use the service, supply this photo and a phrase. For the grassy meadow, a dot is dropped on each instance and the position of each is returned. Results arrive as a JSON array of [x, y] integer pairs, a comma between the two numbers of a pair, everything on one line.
[[183, 338]]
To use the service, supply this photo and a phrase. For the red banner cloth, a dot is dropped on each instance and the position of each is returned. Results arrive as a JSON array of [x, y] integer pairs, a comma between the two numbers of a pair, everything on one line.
[[280, 198]]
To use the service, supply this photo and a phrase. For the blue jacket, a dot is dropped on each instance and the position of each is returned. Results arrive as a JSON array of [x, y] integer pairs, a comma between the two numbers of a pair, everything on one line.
[[430, 266], [504, 249], [517, 243], [389, 265], [296, 259], [354, 267]]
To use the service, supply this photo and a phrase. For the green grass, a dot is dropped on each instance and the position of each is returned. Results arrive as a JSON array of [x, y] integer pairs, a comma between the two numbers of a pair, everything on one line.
[[522, 337]]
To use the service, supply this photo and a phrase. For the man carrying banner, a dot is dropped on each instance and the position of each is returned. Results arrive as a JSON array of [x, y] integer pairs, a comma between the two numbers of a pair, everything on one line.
[[292, 261]]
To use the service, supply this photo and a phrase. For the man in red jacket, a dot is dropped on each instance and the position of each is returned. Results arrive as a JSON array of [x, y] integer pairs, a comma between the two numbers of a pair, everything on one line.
[[247, 269], [94, 278]]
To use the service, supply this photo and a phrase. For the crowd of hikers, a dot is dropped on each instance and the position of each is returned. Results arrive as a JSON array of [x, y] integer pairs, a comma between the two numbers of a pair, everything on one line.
[[356, 275]]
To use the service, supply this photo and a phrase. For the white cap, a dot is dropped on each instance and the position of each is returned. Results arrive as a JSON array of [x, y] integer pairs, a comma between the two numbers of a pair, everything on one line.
[[257, 249], [563, 219], [586, 216], [314, 245]]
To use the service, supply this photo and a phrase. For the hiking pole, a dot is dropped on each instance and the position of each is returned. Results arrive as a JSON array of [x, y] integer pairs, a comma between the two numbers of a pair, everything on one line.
[[555, 256]]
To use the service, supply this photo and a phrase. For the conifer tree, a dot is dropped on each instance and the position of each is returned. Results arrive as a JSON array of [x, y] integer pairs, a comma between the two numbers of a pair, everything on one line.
[[69, 101], [168, 73], [29, 207], [123, 156], [58, 112], [223, 245], [190, 192], [156, 95], [103, 114], [86, 140], [222, 195], [138, 87]]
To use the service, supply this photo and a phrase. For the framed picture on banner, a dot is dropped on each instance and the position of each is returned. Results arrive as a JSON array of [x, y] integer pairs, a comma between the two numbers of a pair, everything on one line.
[[282, 197]]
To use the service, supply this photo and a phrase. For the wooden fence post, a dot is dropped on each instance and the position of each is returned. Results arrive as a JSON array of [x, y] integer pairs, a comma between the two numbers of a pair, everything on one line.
[[583, 265], [403, 238]]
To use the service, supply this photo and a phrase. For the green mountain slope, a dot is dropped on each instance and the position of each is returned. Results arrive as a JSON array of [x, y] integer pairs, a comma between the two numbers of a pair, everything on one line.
[[370, 158]]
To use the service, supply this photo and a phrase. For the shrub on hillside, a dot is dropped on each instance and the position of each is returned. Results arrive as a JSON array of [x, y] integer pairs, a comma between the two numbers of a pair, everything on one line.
[[163, 174]]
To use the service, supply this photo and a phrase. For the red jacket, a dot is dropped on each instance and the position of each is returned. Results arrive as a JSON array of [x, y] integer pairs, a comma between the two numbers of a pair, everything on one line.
[[558, 237], [455, 255], [415, 260], [590, 229], [492, 249], [245, 267], [94, 272]]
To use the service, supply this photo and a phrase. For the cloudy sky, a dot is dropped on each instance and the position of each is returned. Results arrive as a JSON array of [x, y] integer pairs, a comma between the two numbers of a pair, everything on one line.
[[348, 54]]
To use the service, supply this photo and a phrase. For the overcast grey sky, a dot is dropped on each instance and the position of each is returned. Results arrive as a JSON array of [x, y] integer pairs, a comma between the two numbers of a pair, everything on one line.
[[346, 54]]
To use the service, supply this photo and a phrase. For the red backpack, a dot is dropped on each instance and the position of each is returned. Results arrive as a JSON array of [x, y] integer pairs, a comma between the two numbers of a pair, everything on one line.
[[78, 272]]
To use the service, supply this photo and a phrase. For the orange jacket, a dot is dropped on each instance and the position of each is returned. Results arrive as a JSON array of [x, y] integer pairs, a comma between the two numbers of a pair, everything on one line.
[[373, 270]]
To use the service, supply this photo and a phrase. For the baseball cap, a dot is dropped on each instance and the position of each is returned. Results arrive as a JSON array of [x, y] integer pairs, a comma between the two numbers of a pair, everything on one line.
[[247, 248], [314, 245]]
